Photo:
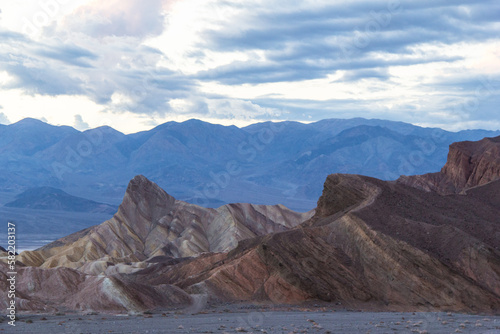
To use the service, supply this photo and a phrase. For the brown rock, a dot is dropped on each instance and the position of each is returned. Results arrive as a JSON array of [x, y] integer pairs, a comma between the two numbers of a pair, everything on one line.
[[469, 164], [386, 244]]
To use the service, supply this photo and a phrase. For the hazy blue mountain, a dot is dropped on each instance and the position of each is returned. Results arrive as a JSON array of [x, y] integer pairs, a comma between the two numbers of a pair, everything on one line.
[[29, 136], [49, 198], [19, 142], [207, 164]]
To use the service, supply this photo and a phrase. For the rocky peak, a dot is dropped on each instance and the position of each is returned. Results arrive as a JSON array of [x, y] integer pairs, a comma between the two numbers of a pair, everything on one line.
[[342, 193], [145, 198], [473, 164], [469, 164], [150, 223]]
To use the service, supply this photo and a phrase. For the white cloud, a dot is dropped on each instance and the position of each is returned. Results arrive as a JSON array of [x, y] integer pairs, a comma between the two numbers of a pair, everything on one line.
[[118, 18], [80, 124], [3, 118], [241, 109], [223, 108]]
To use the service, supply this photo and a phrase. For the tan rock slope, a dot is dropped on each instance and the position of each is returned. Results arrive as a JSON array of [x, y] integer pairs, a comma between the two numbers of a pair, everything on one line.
[[62, 288], [150, 223], [469, 164]]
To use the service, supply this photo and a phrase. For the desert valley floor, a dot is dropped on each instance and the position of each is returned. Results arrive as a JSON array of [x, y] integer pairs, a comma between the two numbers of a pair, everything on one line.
[[259, 319]]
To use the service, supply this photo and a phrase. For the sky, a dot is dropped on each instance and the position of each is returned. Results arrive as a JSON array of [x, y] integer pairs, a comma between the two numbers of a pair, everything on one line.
[[134, 64]]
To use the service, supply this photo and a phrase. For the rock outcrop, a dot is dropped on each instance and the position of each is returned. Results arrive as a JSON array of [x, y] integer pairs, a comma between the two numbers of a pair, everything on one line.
[[150, 223], [469, 164], [383, 244]]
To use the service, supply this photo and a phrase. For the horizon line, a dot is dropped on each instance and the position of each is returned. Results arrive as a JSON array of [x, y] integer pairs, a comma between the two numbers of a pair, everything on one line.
[[243, 124]]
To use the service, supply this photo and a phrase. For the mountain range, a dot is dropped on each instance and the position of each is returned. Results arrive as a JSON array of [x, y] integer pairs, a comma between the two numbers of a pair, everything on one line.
[[389, 245], [211, 165], [200, 163]]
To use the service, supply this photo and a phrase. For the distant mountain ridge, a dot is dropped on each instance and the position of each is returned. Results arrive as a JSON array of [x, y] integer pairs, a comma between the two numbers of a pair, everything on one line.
[[211, 165], [48, 198]]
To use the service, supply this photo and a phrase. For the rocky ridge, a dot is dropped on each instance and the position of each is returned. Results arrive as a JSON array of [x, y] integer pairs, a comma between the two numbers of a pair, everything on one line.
[[372, 248], [150, 224]]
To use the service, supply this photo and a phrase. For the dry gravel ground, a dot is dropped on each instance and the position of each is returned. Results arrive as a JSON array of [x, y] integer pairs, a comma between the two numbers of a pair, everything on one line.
[[257, 321]]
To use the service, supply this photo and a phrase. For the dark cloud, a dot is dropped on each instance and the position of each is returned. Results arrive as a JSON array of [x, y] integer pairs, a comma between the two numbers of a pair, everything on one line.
[[70, 54], [310, 43], [374, 73], [437, 19]]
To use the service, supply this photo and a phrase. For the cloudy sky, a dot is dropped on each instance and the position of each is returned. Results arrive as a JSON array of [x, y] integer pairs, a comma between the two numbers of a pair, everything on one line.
[[133, 64]]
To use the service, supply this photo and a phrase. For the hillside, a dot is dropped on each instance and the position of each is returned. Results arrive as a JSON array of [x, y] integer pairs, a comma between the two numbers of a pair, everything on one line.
[[150, 223], [48, 198]]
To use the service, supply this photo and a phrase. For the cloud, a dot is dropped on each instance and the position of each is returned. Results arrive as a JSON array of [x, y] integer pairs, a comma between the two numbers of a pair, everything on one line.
[[34, 77], [374, 73], [3, 118], [305, 43], [67, 53], [241, 110], [255, 72], [191, 106], [11, 36], [80, 124], [118, 18], [121, 66], [300, 60], [222, 108]]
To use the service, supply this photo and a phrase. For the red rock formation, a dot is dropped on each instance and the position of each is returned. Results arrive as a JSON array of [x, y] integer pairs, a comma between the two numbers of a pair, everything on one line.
[[383, 244], [469, 164]]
